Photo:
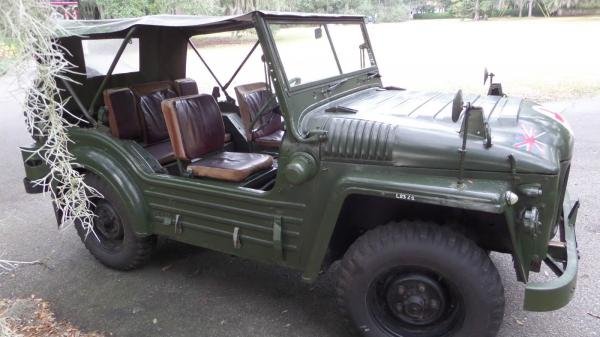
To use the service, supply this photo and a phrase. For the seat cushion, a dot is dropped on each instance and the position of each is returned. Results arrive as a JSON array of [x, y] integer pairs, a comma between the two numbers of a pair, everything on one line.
[[163, 152], [273, 140], [230, 166]]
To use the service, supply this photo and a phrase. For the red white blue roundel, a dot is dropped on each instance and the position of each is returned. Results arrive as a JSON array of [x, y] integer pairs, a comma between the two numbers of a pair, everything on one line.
[[529, 139]]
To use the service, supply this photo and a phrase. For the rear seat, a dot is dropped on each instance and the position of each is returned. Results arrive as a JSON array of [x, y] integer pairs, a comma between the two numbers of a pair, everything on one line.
[[135, 113], [154, 130]]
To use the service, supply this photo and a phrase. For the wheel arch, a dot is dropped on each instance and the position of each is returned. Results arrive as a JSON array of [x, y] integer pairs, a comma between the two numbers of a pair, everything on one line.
[[393, 197], [104, 165]]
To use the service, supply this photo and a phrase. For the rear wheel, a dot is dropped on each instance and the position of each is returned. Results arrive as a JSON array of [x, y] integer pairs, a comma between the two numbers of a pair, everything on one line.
[[114, 242], [420, 280]]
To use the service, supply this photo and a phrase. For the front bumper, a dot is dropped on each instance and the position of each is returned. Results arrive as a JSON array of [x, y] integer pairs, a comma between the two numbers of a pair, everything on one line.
[[555, 294]]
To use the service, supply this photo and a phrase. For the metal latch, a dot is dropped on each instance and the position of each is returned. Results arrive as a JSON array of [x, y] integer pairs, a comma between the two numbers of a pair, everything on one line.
[[277, 244], [175, 220], [177, 223], [236, 238]]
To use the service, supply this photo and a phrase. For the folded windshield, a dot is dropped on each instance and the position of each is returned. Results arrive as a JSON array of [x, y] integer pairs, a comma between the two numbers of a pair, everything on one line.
[[317, 51]]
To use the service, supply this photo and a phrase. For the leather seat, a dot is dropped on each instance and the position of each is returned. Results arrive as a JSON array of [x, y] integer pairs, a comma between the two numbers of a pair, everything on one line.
[[135, 113], [231, 166], [150, 95], [197, 133], [186, 87], [268, 130], [272, 140], [122, 114], [163, 152]]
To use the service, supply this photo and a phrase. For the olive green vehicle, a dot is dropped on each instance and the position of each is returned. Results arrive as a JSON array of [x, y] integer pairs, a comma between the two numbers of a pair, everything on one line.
[[314, 162]]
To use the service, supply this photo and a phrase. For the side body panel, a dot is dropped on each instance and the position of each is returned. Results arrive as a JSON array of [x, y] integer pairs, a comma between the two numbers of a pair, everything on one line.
[[289, 225]]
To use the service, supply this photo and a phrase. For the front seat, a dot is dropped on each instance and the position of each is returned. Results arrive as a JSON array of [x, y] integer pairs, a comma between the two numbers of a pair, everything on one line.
[[197, 133], [267, 132]]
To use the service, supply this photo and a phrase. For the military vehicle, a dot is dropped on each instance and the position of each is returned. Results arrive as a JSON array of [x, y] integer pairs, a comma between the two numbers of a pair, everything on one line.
[[316, 162]]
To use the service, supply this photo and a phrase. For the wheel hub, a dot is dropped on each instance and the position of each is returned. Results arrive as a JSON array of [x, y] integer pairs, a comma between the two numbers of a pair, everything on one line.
[[416, 299], [107, 222]]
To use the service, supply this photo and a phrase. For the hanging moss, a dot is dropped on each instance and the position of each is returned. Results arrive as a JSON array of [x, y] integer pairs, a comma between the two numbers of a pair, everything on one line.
[[27, 27]]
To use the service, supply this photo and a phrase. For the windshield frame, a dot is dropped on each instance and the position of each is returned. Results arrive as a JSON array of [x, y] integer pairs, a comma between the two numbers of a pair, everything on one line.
[[327, 80]]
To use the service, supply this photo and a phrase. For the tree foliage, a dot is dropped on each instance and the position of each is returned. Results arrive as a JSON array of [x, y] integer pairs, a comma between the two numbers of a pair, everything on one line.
[[380, 10]]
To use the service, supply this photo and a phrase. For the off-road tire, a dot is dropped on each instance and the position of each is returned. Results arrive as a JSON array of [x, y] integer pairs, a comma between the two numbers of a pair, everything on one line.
[[134, 251], [450, 254]]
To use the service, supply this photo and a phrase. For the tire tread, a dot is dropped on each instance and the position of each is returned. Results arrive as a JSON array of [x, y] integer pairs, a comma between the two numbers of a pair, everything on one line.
[[381, 237]]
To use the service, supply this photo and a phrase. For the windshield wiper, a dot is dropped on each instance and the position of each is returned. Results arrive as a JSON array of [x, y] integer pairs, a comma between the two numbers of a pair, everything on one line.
[[373, 74], [340, 108], [335, 85]]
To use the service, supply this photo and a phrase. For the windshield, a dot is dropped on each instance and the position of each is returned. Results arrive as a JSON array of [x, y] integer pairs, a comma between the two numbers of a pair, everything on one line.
[[313, 52]]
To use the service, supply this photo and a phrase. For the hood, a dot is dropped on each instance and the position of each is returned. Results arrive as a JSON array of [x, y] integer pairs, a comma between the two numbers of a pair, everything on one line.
[[415, 129]]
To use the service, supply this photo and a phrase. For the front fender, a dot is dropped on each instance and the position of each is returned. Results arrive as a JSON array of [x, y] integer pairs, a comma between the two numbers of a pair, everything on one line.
[[476, 194]]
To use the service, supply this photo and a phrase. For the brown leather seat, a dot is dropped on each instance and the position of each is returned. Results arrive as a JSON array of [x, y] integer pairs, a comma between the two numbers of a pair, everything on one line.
[[268, 130], [272, 140], [186, 87], [122, 114], [150, 95], [163, 152], [135, 113], [197, 133]]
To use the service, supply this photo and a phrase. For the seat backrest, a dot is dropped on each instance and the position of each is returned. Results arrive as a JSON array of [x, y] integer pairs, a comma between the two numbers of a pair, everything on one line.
[[195, 125], [186, 87], [251, 97], [123, 119], [149, 96], [135, 112]]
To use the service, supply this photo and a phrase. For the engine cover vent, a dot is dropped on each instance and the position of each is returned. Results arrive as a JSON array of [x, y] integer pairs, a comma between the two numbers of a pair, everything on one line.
[[358, 140]]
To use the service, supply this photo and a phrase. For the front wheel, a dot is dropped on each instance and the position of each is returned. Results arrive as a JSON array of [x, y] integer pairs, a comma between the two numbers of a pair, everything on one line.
[[420, 280]]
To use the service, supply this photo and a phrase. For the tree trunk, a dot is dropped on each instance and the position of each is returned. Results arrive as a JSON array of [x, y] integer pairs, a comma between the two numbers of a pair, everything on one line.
[[530, 8], [520, 4], [476, 14]]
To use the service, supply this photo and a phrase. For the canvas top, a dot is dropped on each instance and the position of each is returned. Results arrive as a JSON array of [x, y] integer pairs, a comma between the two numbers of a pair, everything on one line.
[[191, 22]]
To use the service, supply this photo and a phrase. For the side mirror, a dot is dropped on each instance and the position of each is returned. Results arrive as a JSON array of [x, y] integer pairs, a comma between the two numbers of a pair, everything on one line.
[[318, 33], [457, 106], [486, 74], [495, 89]]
